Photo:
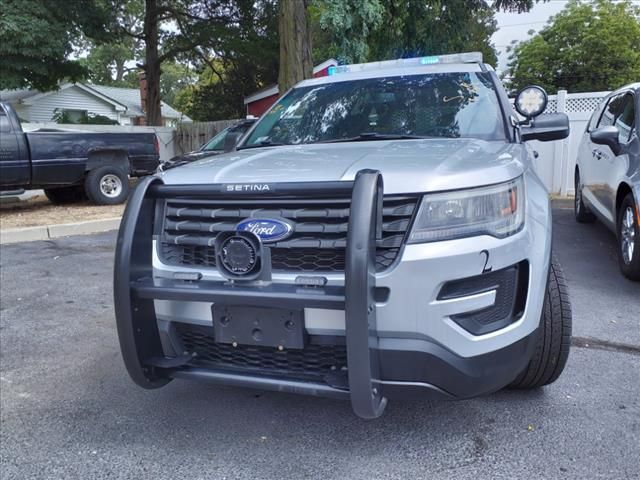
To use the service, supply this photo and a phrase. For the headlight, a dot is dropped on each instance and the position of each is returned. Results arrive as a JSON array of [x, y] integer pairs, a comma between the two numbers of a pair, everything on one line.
[[497, 210]]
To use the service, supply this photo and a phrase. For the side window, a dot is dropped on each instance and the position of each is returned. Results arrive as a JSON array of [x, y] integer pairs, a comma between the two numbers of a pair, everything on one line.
[[611, 111], [593, 122], [626, 119], [5, 125]]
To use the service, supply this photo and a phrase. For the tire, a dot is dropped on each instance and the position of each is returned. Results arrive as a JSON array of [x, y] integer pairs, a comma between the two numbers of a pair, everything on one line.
[[554, 337], [65, 195], [107, 185], [582, 213], [628, 233]]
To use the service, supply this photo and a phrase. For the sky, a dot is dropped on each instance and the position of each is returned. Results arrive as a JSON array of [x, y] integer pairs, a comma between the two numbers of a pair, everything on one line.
[[514, 26]]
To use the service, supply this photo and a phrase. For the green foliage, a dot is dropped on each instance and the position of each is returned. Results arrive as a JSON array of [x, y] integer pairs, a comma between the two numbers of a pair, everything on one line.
[[86, 118], [589, 46], [107, 64], [175, 78], [370, 30], [244, 60], [111, 62], [39, 37]]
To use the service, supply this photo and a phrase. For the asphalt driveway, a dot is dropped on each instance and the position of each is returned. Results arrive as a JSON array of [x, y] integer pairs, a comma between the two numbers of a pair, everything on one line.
[[68, 409]]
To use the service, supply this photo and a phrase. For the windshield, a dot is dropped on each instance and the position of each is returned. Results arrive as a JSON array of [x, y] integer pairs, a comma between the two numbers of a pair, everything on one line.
[[449, 105], [217, 142]]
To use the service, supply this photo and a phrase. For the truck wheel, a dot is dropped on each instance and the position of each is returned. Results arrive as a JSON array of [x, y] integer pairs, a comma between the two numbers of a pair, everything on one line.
[[629, 239], [582, 213], [107, 185], [65, 195], [554, 337]]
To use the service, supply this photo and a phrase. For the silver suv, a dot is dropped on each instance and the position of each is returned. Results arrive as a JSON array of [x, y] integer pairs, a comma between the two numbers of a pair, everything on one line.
[[607, 176], [379, 232]]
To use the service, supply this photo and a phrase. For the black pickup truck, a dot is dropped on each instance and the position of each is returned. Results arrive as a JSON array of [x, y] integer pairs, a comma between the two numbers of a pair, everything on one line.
[[73, 165]]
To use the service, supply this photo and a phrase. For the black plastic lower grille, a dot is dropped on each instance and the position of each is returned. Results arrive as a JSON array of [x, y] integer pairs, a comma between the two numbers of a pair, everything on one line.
[[314, 361], [510, 285], [300, 259]]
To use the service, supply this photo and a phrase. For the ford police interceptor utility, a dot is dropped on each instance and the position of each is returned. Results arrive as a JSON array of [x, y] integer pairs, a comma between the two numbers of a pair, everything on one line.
[[378, 232]]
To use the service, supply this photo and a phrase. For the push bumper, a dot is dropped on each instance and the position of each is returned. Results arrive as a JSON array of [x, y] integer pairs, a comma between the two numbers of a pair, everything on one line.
[[379, 365], [135, 290]]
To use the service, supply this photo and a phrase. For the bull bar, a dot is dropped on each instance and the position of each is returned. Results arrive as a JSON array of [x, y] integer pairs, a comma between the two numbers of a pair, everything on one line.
[[135, 290]]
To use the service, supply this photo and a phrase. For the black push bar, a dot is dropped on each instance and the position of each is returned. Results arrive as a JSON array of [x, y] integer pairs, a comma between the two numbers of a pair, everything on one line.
[[135, 288]]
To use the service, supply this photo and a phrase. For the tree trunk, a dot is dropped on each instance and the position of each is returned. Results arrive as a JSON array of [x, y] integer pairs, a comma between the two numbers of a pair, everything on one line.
[[152, 64], [295, 44], [120, 65]]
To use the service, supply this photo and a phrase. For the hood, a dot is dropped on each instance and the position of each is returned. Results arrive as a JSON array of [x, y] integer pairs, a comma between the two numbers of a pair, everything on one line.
[[185, 158], [407, 166]]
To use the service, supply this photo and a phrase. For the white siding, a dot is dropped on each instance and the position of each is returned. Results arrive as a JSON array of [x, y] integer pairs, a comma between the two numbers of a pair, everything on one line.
[[72, 98], [21, 110]]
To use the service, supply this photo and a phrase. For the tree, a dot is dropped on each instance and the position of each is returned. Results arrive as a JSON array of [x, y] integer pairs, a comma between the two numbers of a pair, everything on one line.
[[175, 78], [295, 44], [179, 28], [112, 61], [243, 61], [370, 30], [39, 38], [586, 47], [107, 64]]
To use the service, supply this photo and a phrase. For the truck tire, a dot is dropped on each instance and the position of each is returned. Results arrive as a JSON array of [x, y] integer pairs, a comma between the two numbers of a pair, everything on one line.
[[629, 238], [107, 185], [582, 213], [65, 195], [554, 336]]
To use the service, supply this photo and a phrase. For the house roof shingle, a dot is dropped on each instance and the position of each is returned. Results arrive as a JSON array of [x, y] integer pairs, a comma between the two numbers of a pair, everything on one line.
[[130, 97]]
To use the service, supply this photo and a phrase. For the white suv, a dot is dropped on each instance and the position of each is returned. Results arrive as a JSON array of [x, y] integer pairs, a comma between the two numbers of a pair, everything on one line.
[[378, 232]]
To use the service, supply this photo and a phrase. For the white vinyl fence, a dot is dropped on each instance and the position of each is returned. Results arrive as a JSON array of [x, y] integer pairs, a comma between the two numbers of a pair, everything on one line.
[[557, 160]]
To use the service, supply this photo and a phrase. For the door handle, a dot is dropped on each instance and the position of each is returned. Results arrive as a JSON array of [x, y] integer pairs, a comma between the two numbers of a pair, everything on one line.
[[598, 154]]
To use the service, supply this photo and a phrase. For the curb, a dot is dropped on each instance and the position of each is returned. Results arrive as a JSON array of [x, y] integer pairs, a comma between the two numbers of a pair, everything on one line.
[[30, 234]]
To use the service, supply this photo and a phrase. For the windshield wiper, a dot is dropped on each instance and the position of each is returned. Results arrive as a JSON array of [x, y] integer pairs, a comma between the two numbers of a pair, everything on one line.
[[366, 136], [262, 143]]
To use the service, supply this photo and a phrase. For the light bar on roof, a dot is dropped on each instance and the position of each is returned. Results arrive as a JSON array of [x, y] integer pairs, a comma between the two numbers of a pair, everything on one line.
[[469, 57]]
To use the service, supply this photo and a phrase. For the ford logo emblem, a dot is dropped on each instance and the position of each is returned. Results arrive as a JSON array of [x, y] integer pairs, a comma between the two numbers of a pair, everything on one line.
[[268, 229]]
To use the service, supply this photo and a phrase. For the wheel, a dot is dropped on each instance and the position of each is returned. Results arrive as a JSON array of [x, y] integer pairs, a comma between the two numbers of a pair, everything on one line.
[[629, 238], [554, 338], [107, 185], [582, 213], [65, 195]]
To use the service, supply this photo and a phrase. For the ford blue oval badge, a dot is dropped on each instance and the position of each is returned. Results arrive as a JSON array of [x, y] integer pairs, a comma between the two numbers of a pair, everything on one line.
[[268, 229]]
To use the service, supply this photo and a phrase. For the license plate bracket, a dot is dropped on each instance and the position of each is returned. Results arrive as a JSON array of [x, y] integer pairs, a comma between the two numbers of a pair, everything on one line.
[[266, 327]]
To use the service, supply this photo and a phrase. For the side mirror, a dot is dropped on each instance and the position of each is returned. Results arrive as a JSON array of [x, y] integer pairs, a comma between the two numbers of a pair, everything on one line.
[[230, 141], [546, 128], [607, 136]]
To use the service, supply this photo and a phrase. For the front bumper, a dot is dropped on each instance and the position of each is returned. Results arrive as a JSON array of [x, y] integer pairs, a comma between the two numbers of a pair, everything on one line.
[[399, 336]]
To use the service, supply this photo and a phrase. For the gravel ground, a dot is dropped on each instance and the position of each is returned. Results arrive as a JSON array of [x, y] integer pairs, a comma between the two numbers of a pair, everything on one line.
[[69, 411], [40, 211]]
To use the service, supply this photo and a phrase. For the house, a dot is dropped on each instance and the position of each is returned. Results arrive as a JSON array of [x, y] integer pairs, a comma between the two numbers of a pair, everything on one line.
[[259, 102], [123, 105]]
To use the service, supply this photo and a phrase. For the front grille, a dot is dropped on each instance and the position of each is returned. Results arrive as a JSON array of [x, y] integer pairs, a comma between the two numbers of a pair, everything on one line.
[[312, 362], [318, 244]]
